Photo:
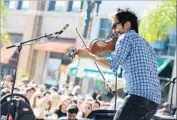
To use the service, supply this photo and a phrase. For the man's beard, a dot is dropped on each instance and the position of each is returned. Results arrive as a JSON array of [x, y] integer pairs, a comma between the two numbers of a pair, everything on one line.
[[120, 32]]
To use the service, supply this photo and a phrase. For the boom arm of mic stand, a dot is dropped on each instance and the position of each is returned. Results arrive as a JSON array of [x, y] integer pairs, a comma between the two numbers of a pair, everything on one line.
[[32, 40]]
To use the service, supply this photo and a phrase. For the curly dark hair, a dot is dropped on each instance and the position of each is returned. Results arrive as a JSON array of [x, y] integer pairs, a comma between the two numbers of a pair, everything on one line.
[[127, 15]]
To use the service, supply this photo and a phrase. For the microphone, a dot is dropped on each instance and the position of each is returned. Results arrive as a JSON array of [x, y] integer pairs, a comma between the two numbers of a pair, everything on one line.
[[63, 29], [35, 39]]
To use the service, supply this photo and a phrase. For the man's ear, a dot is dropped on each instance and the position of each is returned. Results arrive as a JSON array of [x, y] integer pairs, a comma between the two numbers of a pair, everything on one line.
[[127, 25]]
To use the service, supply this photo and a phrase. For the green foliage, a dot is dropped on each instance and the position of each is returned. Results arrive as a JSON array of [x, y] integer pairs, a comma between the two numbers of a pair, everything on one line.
[[159, 20], [24, 75], [4, 37], [3, 9]]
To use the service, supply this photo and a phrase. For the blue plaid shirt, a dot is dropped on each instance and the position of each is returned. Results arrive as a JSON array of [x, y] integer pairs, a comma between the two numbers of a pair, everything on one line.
[[138, 61]]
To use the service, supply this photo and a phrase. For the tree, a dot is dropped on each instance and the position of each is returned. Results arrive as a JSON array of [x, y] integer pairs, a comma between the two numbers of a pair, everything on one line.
[[159, 20], [4, 37]]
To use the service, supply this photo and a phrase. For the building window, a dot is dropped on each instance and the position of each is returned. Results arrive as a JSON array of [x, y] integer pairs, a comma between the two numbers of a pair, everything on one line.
[[76, 6], [171, 50], [15, 38], [53, 69], [161, 52], [172, 43], [65, 59], [10, 4], [167, 47], [60, 5], [70, 4], [7, 3], [57, 5], [51, 6], [23, 5], [173, 38], [105, 27], [6, 70]]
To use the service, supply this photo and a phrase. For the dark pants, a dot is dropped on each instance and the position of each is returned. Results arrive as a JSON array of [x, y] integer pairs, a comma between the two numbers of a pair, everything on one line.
[[136, 108]]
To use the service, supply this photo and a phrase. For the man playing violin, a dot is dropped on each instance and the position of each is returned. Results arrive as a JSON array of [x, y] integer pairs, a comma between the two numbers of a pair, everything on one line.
[[138, 61]]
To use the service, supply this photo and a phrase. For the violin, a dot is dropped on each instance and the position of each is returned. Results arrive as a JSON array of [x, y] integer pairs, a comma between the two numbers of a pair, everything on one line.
[[99, 47]]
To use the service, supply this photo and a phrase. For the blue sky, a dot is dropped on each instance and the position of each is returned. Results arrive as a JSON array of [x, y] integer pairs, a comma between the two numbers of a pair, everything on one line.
[[139, 7]]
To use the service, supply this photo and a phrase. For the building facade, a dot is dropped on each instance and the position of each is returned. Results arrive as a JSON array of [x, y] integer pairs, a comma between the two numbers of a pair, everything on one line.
[[44, 61], [47, 62]]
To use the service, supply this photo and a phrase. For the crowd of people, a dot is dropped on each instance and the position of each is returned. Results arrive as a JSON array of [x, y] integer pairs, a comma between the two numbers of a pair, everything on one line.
[[62, 103], [56, 103]]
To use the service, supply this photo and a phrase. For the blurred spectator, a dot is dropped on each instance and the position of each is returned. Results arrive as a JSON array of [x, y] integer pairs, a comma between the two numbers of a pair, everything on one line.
[[119, 101], [96, 105], [89, 98], [76, 90], [80, 101], [99, 98], [35, 98], [7, 83], [41, 88], [47, 94], [62, 106], [55, 98], [86, 110], [71, 113], [70, 95], [39, 104], [53, 89], [95, 94], [25, 81], [63, 89], [4, 92], [165, 110], [30, 92]]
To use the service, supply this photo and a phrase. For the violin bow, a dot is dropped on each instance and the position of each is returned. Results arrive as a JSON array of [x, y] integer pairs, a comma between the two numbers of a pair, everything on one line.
[[94, 61]]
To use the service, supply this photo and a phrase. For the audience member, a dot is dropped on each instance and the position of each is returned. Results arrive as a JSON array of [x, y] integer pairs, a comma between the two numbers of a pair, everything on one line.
[[71, 113]]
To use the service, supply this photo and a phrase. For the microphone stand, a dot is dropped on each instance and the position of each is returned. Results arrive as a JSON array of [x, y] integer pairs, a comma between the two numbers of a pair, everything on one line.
[[173, 84], [19, 48], [115, 102]]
